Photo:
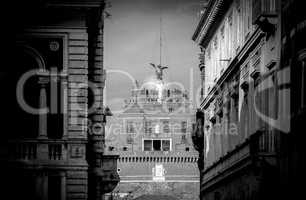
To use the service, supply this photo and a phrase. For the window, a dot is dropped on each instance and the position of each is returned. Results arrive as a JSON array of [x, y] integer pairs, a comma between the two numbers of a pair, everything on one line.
[[130, 127], [147, 145], [55, 88], [25, 61], [157, 145], [183, 126], [43, 53], [54, 187], [148, 127], [130, 139], [166, 128], [298, 83], [166, 145]]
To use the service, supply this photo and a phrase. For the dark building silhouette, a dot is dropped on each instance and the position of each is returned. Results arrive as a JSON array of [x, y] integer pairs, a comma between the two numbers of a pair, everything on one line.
[[248, 130], [52, 114]]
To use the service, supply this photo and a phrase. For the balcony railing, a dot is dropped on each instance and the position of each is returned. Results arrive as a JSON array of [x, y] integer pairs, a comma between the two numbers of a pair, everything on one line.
[[261, 144], [22, 151], [31, 150], [55, 152]]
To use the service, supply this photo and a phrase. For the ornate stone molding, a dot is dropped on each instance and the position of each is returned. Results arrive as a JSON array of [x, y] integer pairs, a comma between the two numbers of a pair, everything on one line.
[[208, 19]]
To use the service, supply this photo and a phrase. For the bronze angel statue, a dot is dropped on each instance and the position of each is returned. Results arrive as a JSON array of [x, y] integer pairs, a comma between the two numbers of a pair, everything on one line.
[[159, 70]]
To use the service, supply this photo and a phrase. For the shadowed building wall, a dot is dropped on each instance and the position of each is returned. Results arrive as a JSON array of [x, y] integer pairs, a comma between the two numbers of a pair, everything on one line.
[[51, 153], [251, 97]]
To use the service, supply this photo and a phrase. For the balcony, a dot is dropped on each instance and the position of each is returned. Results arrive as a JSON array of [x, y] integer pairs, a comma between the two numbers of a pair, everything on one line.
[[33, 151], [22, 151], [261, 146], [55, 152]]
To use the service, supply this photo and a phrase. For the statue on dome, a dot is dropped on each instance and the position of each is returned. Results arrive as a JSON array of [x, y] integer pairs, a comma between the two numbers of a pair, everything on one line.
[[159, 70]]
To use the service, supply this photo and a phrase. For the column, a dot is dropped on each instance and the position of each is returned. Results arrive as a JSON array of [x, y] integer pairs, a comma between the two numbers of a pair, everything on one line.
[[43, 108], [38, 187], [63, 186], [95, 76], [64, 104], [45, 186]]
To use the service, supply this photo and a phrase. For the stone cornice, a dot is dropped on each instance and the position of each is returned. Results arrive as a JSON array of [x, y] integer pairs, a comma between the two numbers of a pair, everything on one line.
[[205, 27]]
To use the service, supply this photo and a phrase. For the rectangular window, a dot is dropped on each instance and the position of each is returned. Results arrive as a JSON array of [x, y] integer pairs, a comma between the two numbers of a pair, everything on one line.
[[130, 139], [148, 127], [166, 128], [147, 145], [130, 127], [157, 145], [183, 126], [166, 145]]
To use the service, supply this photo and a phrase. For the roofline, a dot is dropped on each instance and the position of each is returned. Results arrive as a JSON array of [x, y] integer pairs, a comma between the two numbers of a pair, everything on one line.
[[201, 22], [213, 12], [76, 3]]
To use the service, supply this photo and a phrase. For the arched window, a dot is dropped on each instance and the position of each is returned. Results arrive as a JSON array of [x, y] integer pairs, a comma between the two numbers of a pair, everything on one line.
[[25, 123], [30, 93]]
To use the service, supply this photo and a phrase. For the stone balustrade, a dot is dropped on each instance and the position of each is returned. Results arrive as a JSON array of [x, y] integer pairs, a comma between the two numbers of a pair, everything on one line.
[[34, 150], [262, 144]]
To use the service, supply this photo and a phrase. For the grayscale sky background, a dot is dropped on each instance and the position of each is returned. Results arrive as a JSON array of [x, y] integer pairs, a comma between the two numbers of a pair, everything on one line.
[[131, 42]]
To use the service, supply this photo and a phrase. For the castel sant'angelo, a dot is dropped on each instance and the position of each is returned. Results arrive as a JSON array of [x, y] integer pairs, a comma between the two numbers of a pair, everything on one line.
[[152, 135]]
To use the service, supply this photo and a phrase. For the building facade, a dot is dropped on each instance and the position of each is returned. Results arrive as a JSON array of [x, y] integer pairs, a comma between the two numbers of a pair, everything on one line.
[[252, 75], [152, 137], [52, 88]]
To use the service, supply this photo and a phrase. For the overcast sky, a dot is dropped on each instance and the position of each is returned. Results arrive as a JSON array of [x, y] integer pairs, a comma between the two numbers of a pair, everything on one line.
[[131, 42]]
